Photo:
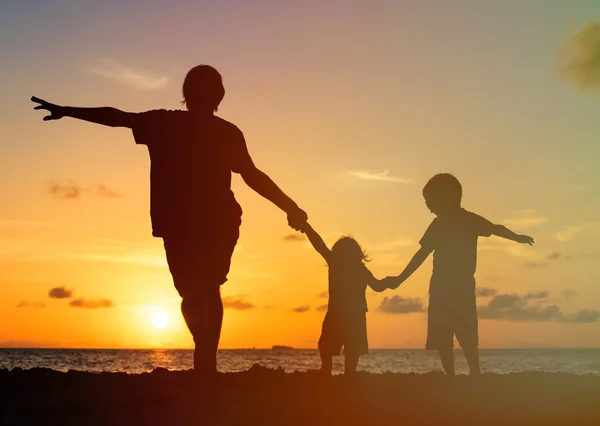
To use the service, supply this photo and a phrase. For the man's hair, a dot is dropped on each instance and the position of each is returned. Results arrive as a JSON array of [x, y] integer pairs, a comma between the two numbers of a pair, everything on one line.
[[444, 188], [203, 88]]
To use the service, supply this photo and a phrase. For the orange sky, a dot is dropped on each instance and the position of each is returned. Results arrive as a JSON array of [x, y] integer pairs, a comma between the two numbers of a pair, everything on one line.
[[350, 109]]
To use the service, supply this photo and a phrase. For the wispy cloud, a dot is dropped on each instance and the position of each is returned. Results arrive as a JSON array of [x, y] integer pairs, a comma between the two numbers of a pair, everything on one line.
[[525, 218], [485, 291], [400, 305], [294, 237], [383, 176], [579, 57], [60, 293], [515, 307], [91, 304], [33, 305], [237, 304], [323, 294], [547, 260], [71, 190], [301, 309], [135, 78], [322, 308], [571, 231]]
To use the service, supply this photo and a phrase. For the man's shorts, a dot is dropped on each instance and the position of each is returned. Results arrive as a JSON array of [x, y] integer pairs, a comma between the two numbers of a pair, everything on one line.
[[449, 315], [349, 331], [200, 261]]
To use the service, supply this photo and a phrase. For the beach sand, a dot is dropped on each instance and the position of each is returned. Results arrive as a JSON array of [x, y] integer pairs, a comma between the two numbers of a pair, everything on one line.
[[271, 397]]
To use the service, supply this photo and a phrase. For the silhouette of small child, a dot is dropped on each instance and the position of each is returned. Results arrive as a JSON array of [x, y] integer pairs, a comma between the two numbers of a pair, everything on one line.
[[345, 322], [452, 237]]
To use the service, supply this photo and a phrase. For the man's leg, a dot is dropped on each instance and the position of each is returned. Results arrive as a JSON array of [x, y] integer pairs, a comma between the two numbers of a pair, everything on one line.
[[203, 315]]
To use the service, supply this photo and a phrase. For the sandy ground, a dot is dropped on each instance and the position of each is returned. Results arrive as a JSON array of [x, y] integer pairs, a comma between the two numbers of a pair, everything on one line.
[[270, 397]]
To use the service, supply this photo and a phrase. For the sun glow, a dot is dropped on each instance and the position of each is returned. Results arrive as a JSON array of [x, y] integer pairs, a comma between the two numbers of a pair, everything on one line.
[[160, 320]]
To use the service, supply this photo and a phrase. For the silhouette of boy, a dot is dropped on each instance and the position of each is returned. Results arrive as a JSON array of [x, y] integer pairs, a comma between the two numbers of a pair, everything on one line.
[[192, 207], [345, 322], [452, 237]]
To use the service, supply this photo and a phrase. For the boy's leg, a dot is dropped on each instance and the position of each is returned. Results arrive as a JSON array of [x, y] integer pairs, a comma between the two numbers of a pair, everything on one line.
[[467, 333], [440, 331], [472, 356], [326, 363], [447, 358], [350, 363]]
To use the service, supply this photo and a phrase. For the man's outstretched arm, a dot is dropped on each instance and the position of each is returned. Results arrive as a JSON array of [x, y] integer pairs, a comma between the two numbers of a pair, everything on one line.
[[107, 116], [261, 183]]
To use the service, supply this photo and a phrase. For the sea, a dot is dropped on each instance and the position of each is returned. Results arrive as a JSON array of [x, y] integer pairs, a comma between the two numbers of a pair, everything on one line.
[[134, 361]]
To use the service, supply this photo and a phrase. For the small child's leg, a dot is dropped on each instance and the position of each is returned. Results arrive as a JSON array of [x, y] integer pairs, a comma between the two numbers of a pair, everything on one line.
[[472, 356], [350, 363], [326, 363], [447, 358]]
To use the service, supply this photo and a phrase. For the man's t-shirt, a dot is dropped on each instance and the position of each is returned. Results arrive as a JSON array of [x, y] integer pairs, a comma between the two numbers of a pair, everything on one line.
[[191, 160], [453, 240]]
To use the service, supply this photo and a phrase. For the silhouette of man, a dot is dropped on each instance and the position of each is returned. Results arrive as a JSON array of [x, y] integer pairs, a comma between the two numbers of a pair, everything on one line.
[[192, 207]]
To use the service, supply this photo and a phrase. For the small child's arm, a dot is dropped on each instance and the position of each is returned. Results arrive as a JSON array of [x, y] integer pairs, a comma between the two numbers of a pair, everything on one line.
[[316, 241], [412, 266], [504, 232], [379, 285]]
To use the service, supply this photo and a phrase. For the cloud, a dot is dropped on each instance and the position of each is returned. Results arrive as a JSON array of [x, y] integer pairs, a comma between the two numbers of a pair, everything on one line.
[[383, 176], [70, 190], [91, 304], [294, 237], [514, 307], [35, 305], [524, 219], [128, 76], [546, 261], [324, 294], [400, 305], [301, 309], [485, 291], [579, 57], [569, 232], [237, 304], [568, 294], [60, 293], [536, 295], [322, 308], [103, 191], [66, 190]]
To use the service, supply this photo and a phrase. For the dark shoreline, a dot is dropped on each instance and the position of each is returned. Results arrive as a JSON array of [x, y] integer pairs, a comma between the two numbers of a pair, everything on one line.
[[261, 396]]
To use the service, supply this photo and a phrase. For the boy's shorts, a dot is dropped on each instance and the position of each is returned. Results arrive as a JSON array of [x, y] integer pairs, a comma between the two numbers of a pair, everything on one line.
[[349, 331], [449, 315]]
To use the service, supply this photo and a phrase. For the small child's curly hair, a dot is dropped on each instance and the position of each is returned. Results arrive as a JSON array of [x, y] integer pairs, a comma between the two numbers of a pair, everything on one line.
[[348, 248]]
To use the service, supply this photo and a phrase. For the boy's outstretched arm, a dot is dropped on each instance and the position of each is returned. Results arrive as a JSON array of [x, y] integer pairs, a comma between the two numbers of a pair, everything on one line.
[[413, 265], [316, 241], [107, 116], [504, 232]]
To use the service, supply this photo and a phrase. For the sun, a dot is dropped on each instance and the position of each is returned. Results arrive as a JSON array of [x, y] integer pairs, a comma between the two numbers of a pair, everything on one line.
[[160, 320]]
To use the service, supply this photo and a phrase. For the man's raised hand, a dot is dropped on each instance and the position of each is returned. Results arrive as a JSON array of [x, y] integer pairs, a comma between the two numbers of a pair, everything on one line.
[[56, 111]]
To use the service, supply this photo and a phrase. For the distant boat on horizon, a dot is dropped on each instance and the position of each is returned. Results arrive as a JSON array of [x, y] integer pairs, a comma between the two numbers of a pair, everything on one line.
[[282, 348]]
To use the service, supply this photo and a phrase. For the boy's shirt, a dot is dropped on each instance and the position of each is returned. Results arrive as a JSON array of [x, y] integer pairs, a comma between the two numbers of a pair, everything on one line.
[[453, 240]]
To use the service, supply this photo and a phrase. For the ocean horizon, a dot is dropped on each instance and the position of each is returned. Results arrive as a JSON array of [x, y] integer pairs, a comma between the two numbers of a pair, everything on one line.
[[502, 360]]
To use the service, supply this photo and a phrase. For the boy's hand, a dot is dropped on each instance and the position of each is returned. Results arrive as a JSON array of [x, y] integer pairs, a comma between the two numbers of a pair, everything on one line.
[[524, 239], [56, 111]]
